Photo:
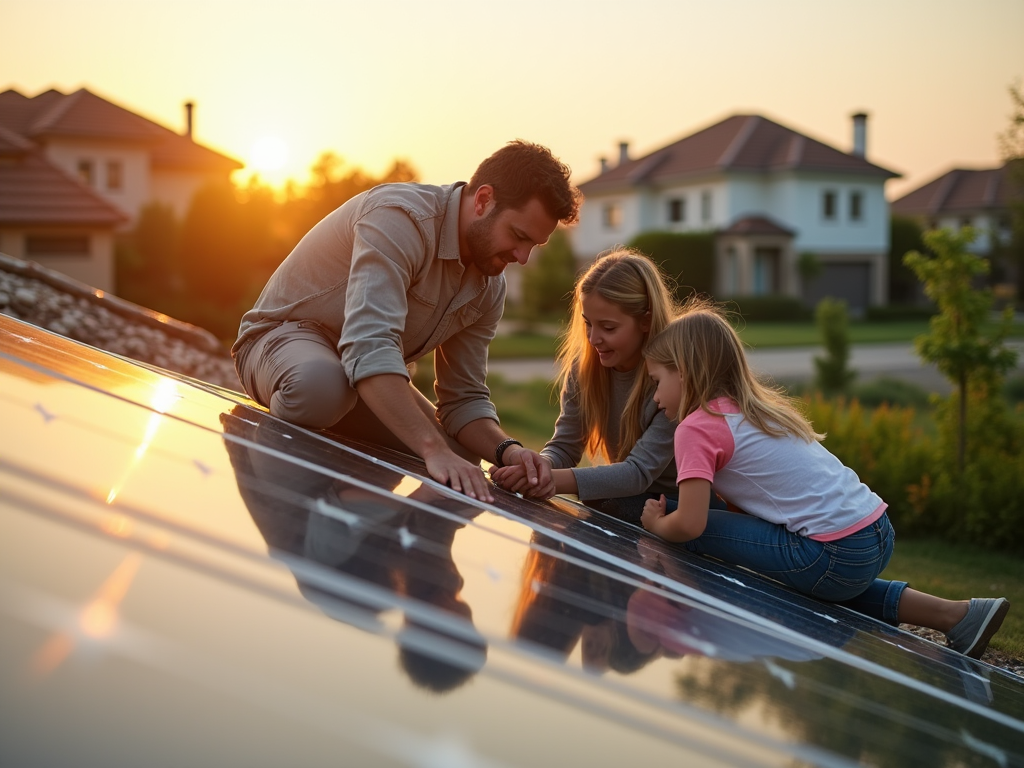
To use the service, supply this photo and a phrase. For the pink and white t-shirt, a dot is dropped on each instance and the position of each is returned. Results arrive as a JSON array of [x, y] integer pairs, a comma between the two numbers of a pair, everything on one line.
[[783, 480]]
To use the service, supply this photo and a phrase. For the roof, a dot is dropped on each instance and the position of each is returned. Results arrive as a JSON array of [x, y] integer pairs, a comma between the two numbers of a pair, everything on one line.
[[85, 115], [741, 143], [187, 576], [757, 225], [33, 191], [960, 190]]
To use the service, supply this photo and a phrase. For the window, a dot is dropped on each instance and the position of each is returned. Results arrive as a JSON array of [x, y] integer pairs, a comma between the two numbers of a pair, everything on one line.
[[57, 245], [856, 206], [611, 216], [115, 175], [85, 172], [705, 206], [828, 205], [677, 210]]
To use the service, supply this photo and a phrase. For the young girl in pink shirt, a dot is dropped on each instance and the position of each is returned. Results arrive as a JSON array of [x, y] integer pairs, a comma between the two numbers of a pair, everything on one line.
[[810, 522]]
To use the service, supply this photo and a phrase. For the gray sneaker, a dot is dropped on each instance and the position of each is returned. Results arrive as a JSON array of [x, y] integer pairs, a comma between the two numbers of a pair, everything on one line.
[[984, 617]]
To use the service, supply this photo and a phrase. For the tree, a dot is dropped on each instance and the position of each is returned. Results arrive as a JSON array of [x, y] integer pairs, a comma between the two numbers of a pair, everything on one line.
[[147, 258], [904, 236], [834, 375], [548, 281], [1011, 146], [974, 362]]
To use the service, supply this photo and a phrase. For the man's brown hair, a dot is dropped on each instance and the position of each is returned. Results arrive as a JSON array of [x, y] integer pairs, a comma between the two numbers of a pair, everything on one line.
[[520, 171]]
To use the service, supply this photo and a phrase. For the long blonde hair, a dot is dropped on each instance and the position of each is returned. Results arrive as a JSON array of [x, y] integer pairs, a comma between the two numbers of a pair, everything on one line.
[[708, 354], [633, 283]]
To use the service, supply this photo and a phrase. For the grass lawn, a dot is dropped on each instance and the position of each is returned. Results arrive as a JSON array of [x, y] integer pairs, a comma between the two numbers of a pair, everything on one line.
[[756, 335], [958, 572]]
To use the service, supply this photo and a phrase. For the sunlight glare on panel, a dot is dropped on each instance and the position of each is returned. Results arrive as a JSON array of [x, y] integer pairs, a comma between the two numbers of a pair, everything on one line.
[[164, 397]]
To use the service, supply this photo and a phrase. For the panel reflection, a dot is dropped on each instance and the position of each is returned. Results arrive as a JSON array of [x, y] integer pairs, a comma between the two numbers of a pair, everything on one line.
[[373, 538]]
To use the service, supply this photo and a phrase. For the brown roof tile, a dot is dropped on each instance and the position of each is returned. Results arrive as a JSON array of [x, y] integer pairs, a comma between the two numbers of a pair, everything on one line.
[[959, 191], [750, 143], [34, 192], [84, 114]]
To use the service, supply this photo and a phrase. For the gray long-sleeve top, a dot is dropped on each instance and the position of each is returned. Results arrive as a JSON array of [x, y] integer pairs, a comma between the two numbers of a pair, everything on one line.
[[649, 467]]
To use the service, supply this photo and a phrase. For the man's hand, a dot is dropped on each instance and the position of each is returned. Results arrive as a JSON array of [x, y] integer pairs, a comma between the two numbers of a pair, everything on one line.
[[403, 411], [459, 474], [654, 510], [515, 478], [539, 483]]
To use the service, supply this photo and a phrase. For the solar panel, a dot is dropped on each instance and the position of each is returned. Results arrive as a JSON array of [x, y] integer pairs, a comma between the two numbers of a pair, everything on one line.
[[186, 580]]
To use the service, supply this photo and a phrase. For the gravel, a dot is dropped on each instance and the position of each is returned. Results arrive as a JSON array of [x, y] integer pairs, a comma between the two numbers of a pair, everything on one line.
[[107, 323]]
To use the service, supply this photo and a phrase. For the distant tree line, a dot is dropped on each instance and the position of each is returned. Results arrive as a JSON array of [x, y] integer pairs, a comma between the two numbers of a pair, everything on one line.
[[208, 268]]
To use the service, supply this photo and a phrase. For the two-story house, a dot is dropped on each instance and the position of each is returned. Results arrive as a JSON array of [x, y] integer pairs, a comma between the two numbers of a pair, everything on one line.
[[769, 193], [74, 168]]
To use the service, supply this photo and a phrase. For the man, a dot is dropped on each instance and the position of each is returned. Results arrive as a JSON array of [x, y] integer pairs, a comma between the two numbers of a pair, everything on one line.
[[392, 274]]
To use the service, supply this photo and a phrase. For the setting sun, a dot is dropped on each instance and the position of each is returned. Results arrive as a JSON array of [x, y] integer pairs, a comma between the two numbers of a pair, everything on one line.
[[269, 153]]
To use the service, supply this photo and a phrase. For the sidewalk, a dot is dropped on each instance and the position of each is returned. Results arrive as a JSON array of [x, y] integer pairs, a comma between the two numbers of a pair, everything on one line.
[[793, 364]]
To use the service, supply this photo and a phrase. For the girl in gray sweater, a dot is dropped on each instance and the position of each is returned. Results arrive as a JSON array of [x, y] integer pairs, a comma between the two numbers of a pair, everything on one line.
[[607, 411]]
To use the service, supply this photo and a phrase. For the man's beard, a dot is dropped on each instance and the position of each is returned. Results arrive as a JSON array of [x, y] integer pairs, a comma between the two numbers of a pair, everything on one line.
[[481, 251]]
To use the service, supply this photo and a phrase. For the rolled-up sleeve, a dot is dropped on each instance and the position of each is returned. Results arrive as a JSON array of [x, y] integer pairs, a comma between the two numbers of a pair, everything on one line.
[[460, 370], [384, 259]]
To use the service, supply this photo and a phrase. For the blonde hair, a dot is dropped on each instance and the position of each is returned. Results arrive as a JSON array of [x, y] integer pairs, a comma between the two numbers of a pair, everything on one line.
[[707, 353], [633, 283]]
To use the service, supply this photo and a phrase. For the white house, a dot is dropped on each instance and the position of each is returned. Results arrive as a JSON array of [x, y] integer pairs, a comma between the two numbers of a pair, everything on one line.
[[75, 168], [769, 193]]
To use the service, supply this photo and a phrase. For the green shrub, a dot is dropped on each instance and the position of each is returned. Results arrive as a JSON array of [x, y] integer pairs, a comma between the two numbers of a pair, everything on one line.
[[1013, 390], [916, 475], [833, 371], [888, 452], [771, 309], [894, 392], [688, 258]]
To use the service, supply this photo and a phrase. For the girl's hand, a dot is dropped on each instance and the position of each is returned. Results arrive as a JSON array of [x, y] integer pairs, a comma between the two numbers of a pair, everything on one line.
[[515, 479], [654, 510], [511, 478]]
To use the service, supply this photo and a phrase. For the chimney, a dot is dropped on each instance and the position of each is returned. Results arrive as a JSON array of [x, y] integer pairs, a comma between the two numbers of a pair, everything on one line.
[[623, 152], [604, 164], [189, 107], [860, 134]]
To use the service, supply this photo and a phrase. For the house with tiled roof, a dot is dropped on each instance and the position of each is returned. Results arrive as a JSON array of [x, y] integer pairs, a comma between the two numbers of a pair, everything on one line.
[[76, 168], [769, 193], [979, 198]]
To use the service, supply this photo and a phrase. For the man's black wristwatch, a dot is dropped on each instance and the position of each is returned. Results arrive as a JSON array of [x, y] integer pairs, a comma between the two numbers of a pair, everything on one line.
[[502, 446]]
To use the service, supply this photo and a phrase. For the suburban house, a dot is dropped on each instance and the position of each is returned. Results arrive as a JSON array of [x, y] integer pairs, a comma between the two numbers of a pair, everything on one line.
[[958, 198], [76, 168], [769, 193]]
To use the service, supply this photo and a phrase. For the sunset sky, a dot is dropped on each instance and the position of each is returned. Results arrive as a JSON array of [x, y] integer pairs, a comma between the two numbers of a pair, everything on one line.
[[442, 84]]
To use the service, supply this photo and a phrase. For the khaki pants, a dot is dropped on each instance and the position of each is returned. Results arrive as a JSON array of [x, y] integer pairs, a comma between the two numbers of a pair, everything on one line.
[[295, 371]]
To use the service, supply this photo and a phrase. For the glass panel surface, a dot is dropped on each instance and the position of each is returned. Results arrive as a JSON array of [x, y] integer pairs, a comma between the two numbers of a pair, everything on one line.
[[203, 568]]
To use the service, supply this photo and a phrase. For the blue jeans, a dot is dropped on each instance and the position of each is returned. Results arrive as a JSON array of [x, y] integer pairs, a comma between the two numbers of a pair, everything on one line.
[[844, 571]]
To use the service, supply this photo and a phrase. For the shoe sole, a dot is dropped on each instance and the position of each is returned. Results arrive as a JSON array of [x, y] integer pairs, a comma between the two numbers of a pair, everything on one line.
[[988, 628]]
